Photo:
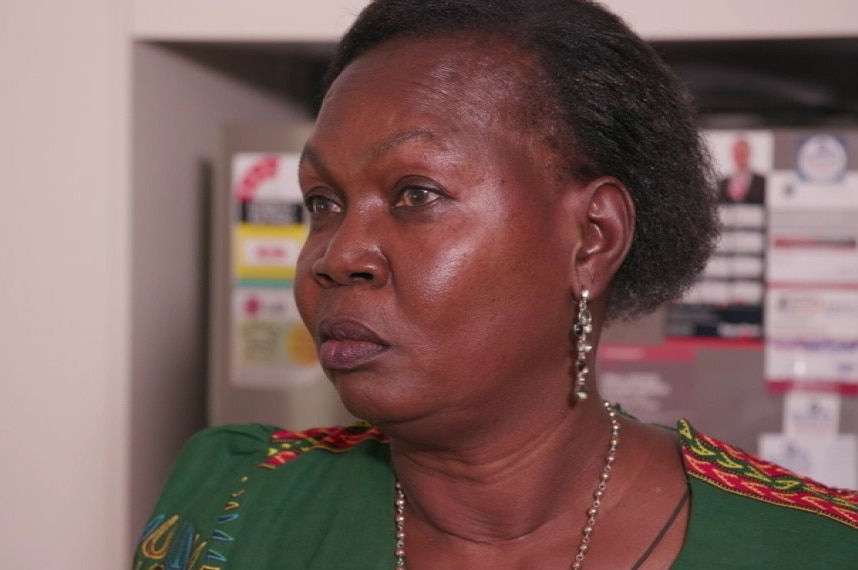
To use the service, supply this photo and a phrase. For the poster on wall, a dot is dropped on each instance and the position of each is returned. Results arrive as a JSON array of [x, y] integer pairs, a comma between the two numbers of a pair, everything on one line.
[[654, 383], [812, 264], [829, 460], [812, 414], [727, 302], [270, 347]]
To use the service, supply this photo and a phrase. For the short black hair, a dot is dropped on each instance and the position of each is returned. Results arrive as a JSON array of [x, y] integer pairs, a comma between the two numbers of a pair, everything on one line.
[[619, 110]]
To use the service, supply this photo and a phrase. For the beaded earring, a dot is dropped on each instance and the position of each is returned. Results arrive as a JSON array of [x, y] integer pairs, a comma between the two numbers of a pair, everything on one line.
[[582, 328]]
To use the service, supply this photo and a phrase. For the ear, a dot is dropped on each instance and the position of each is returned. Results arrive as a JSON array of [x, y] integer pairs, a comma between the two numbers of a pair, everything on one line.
[[607, 218]]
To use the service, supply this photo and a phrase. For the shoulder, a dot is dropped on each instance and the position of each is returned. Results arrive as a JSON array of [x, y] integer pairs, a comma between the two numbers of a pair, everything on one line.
[[732, 470], [286, 446], [222, 453], [224, 473], [268, 447], [211, 468], [229, 440], [213, 455], [754, 513]]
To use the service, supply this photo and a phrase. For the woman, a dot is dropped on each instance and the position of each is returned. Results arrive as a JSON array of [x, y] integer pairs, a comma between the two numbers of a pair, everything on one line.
[[490, 181]]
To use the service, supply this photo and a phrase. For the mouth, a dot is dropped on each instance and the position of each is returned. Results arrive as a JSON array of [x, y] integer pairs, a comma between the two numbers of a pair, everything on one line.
[[347, 344]]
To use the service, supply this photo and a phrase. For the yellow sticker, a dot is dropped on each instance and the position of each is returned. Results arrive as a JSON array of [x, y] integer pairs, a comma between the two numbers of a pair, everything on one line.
[[267, 252]]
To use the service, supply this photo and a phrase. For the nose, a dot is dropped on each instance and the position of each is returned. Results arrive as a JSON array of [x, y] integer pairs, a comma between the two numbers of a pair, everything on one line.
[[353, 255]]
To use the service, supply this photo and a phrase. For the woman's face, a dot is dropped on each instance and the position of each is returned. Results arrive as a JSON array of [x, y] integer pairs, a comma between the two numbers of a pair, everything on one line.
[[436, 276]]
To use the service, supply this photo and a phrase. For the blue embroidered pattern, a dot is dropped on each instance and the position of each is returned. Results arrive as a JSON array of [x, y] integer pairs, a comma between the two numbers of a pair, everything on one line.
[[172, 543]]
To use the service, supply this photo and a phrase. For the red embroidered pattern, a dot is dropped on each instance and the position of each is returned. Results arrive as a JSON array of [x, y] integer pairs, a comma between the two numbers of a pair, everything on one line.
[[287, 445], [735, 471]]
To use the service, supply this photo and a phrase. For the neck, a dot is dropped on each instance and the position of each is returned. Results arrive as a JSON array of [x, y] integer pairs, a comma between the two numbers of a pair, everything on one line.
[[508, 482]]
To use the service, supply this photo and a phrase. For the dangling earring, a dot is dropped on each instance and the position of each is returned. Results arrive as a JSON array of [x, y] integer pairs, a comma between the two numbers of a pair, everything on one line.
[[582, 328]]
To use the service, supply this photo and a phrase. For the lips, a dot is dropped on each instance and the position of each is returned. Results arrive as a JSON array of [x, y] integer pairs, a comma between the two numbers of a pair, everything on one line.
[[347, 344]]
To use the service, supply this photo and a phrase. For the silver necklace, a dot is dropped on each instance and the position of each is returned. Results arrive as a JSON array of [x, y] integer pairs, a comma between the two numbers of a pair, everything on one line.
[[592, 512]]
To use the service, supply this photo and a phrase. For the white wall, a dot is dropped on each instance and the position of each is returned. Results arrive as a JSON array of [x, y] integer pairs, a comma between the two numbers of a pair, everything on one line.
[[732, 19], [63, 284], [654, 19], [179, 108], [261, 20]]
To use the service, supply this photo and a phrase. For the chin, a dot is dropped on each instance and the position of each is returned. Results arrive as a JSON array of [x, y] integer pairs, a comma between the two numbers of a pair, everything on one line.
[[373, 401]]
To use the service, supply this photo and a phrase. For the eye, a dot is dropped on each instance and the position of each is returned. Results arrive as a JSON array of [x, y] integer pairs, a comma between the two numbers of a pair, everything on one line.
[[416, 196], [321, 206]]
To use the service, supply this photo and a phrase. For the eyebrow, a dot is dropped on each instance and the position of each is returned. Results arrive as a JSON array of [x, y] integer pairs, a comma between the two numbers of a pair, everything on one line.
[[312, 155]]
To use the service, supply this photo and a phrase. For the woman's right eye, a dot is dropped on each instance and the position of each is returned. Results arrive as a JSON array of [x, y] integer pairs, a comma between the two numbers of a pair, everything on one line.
[[321, 206]]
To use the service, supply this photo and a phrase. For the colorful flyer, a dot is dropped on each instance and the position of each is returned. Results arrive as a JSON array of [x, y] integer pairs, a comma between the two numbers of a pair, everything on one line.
[[811, 323], [270, 347], [812, 338], [727, 302]]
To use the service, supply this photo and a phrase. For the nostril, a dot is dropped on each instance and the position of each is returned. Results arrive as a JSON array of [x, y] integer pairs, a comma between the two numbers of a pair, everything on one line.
[[324, 278], [349, 265]]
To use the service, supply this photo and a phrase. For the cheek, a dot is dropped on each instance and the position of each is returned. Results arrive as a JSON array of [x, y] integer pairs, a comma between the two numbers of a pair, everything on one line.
[[476, 272], [513, 269], [446, 273], [306, 291]]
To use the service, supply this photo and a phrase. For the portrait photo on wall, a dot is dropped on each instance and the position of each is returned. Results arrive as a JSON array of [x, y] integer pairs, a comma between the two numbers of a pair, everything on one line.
[[741, 184]]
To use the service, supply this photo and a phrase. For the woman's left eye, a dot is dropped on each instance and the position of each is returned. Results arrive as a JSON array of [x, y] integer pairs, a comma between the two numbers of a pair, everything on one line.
[[415, 196]]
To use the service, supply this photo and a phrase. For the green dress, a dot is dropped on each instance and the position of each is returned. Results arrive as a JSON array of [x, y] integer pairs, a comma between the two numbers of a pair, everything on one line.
[[257, 498]]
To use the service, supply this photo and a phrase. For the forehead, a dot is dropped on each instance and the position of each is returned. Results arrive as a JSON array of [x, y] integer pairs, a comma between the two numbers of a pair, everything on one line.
[[477, 81]]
